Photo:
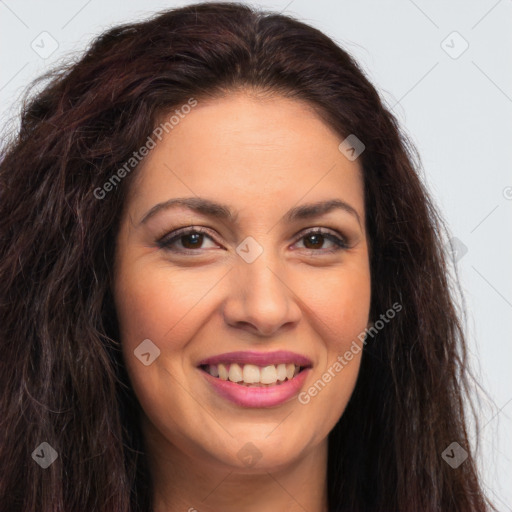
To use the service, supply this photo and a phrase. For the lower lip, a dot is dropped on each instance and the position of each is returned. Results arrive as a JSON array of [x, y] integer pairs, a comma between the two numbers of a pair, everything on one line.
[[269, 396]]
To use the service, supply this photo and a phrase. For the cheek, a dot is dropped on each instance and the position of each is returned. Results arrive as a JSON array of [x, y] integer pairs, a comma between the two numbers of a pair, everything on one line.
[[155, 302], [163, 305], [340, 301], [167, 305]]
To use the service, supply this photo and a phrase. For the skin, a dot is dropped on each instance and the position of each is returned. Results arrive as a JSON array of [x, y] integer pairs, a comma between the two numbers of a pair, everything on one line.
[[261, 157]]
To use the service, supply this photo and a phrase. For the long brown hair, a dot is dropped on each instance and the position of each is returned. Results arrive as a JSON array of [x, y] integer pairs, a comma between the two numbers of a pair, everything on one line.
[[62, 377]]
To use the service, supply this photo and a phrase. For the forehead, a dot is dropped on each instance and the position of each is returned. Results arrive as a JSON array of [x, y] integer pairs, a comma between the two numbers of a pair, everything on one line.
[[245, 151]]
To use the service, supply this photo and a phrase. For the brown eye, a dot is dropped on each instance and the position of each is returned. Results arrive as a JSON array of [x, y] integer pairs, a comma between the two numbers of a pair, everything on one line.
[[189, 239], [192, 240], [314, 241]]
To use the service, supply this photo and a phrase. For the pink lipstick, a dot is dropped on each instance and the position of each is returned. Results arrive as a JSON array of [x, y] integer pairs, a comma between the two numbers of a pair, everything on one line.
[[256, 379]]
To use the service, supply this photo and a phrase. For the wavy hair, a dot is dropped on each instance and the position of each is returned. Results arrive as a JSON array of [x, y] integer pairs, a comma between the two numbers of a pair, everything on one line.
[[61, 372]]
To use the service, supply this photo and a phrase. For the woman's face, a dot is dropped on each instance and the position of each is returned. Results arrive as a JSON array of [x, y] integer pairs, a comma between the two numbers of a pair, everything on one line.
[[254, 283]]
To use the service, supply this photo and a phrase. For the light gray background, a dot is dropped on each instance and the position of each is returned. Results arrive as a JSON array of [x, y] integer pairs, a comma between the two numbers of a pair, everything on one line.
[[456, 110]]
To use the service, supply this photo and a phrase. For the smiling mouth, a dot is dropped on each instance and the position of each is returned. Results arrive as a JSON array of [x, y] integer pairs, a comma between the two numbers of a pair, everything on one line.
[[251, 375]]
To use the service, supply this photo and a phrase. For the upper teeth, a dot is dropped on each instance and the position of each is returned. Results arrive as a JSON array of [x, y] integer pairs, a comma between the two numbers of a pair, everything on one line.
[[252, 374]]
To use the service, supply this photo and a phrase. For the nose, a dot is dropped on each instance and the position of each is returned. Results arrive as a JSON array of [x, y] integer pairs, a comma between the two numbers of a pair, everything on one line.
[[261, 300]]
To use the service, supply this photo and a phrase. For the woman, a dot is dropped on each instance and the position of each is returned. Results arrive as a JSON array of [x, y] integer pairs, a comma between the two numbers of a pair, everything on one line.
[[224, 284]]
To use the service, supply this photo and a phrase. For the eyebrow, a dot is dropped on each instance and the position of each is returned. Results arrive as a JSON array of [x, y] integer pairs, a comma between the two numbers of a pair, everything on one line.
[[222, 212]]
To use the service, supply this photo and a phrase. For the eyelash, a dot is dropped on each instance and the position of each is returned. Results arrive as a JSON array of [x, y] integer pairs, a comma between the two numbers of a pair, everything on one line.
[[166, 242]]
